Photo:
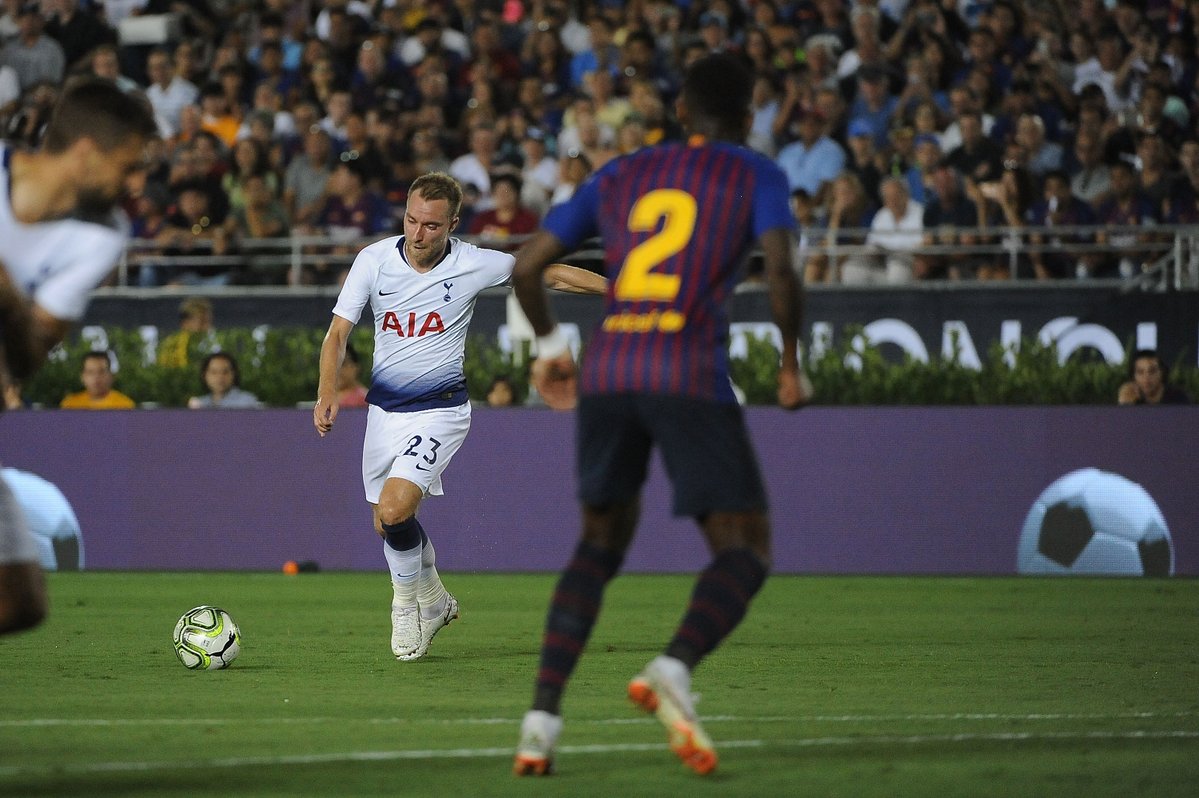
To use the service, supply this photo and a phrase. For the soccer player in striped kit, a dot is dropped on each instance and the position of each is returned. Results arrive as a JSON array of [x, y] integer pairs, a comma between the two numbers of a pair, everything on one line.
[[421, 287], [676, 221], [60, 236]]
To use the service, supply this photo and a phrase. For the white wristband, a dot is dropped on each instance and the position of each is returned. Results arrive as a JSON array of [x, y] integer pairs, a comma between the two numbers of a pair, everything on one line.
[[553, 344]]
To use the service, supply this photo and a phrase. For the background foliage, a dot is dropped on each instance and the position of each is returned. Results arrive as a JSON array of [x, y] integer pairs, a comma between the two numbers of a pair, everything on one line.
[[279, 365]]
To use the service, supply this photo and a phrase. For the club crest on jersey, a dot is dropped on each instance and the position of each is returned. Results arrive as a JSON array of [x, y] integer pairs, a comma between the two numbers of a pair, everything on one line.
[[448, 286], [407, 328]]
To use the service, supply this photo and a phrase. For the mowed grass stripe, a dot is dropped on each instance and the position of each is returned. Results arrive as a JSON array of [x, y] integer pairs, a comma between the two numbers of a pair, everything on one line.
[[601, 749]]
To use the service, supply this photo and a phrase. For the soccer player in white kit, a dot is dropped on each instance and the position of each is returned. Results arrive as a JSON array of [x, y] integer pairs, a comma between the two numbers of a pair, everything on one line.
[[59, 238], [422, 288]]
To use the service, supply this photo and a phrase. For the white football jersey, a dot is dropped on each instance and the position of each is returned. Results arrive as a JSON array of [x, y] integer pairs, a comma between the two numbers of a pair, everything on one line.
[[58, 263], [421, 320]]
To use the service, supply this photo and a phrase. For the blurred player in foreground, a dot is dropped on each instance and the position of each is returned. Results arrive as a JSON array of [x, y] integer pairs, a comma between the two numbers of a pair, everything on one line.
[[60, 236], [676, 220], [422, 288]]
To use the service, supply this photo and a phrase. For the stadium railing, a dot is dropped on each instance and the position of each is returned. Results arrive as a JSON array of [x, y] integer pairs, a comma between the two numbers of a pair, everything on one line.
[[1158, 257]]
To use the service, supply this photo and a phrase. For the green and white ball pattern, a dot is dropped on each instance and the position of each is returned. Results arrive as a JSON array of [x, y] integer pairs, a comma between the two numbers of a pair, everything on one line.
[[206, 638]]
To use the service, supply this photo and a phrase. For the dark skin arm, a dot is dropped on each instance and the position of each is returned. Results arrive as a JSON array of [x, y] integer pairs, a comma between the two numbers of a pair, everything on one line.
[[554, 378]]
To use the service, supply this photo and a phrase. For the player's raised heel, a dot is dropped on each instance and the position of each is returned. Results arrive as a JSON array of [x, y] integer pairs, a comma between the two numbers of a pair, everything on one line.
[[535, 752], [642, 695], [663, 688]]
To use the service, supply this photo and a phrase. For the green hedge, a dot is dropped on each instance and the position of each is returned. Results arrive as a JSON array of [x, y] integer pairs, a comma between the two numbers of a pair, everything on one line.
[[279, 365]]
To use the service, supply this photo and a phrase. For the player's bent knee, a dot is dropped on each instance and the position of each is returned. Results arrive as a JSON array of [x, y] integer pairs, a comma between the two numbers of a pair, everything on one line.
[[22, 613]]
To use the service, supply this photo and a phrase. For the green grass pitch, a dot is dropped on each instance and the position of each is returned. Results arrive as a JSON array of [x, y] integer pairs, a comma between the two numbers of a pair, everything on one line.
[[877, 686]]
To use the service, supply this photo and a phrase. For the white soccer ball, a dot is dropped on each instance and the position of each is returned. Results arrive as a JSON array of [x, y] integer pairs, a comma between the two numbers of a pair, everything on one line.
[[206, 638], [1095, 522]]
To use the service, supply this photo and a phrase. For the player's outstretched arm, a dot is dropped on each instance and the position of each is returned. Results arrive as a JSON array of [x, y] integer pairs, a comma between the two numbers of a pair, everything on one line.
[[573, 280], [553, 372], [795, 390], [333, 351]]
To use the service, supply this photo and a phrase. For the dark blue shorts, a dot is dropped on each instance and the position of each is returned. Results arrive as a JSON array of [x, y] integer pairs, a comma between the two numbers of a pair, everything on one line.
[[704, 445]]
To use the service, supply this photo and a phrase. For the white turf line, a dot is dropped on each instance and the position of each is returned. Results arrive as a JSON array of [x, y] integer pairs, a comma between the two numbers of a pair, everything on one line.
[[489, 753], [979, 716]]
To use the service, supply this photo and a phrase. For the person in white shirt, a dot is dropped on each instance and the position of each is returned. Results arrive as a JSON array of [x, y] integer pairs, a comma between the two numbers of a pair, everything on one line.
[[60, 236], [422, 288], [168, 92], [896, 231]]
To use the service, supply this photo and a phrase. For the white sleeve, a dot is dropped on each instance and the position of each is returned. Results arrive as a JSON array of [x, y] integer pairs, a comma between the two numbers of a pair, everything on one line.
[[356, 290], [65, 293]]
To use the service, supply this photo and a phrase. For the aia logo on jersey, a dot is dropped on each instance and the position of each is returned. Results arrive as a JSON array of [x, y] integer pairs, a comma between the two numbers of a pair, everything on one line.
[[410, 326]]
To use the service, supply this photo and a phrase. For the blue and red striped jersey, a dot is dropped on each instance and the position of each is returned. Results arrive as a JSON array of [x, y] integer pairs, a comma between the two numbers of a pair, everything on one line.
[[677, 221]]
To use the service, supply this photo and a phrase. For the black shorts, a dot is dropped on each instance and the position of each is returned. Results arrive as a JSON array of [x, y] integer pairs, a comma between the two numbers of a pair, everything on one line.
[[704, 445]]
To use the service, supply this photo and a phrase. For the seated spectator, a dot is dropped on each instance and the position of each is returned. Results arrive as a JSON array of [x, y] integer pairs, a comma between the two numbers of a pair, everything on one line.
[[249, 160], [864, 159], [507, 218], [873, 102], [896, 233], [307, 176], [261, 214], [1149, 382], [168, 92], [1158, 175], [574, 167], [98, 393], [850, 214], [1126, 207], [36, 57], [812, 162], [1090, 179], [476, 165], [221, 378], [954, 218], [350, 390], [1014, 192], [77, 28], [195, 326], [539, 175], [216, 117], [351, 210], [978, 157], [920, 173], [1060, 208], [190, 229], [1043, 155]]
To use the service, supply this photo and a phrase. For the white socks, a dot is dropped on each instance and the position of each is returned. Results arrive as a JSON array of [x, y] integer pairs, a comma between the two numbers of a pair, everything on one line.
[[405, 567], [414, 579], [430, 593]]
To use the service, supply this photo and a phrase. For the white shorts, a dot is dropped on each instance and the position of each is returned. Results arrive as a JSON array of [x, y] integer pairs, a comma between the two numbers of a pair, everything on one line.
[[16, 543], [413, 446]]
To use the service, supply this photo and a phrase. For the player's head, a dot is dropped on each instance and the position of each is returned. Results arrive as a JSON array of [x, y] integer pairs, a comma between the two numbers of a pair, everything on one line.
[[715, 99], [434, 201], [101, 132]]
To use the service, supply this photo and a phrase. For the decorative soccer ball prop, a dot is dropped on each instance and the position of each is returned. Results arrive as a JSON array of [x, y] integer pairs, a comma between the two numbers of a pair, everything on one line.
[[1095, 522], [206, 638]]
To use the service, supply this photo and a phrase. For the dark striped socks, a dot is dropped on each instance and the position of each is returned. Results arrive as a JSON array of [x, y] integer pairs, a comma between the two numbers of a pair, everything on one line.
[[718, 604], [573, 609]]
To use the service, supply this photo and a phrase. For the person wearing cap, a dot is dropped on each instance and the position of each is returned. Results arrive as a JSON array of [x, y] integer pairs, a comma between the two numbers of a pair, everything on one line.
[[919, 174], [812, 162], [34, 56], [863, 158]]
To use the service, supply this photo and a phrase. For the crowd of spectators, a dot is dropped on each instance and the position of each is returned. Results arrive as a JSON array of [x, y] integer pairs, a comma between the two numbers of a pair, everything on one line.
[[900, 124]]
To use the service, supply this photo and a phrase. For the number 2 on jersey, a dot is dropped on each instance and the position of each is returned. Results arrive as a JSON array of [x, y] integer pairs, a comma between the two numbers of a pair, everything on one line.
[[637, 281]]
